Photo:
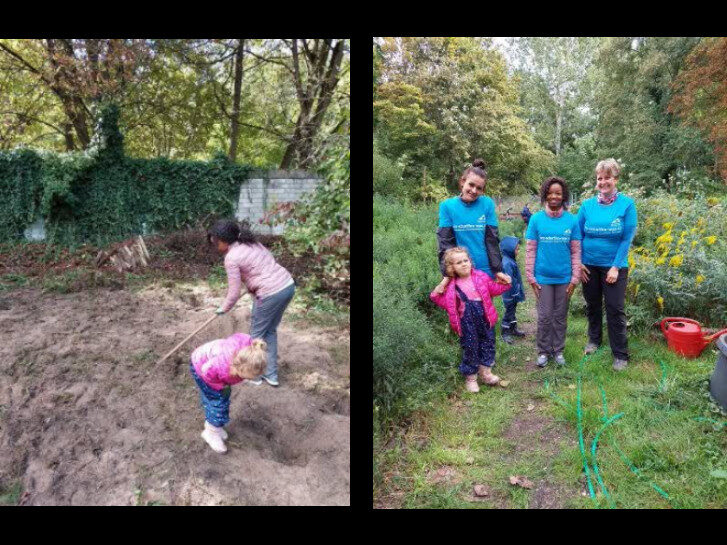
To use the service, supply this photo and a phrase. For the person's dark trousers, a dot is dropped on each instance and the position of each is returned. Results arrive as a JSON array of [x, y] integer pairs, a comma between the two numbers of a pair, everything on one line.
[[594, 292], [509, 320]]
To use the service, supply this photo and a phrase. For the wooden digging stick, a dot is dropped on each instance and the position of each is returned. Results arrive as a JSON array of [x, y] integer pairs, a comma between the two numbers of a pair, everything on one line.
[[200, 328]]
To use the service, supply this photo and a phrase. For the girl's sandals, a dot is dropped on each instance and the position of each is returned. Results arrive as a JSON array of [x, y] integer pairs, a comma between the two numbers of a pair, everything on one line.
[[487, 376]]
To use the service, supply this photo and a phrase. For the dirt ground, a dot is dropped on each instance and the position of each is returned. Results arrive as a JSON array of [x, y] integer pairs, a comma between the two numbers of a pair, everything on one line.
[[88, 418]]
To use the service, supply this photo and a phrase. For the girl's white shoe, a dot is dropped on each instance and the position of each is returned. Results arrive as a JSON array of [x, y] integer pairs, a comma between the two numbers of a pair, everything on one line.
[[214, 438]]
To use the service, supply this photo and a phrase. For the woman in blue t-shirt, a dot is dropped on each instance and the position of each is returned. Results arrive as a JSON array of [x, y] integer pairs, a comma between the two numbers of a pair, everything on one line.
[[608, 224], [552, 267], [470, 220]]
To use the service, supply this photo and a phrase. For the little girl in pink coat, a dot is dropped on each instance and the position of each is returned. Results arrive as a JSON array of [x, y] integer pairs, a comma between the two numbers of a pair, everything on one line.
[[467, 298], [217, 365]]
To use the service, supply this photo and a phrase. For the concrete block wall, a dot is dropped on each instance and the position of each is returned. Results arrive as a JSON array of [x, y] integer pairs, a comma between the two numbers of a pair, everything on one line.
[[264, 189]]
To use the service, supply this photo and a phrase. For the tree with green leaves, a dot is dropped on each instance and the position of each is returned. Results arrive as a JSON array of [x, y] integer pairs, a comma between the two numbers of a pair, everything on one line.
[[445, 101], [79, 74], [701, 95], [634, 125], [555, 78]]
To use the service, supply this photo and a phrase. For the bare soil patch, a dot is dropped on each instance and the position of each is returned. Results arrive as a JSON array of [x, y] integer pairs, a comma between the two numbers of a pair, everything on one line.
[[87, 418]]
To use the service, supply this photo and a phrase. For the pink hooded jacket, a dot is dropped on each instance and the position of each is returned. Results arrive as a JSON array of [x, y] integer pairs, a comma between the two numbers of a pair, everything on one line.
[[485, 286], [212, 360]]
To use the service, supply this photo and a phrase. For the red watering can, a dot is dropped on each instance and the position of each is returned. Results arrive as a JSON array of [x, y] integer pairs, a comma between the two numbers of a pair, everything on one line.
[[684, 336]]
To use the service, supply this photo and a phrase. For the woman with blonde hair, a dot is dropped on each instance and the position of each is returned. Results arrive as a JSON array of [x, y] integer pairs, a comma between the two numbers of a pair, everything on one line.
[[608, 223]]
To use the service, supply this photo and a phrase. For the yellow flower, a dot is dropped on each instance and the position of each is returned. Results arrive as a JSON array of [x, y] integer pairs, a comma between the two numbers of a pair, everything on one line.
[[694, 243], [700, 279], [676, 260], [711, 239], [660, 302], [668, 226], [711, 201], [693, 230], [660, 260]]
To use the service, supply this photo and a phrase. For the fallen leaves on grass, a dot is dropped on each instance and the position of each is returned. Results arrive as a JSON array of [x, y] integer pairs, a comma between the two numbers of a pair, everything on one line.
[[442, 474], [531, 407], [481, 491], [504, 383], [520, 480]]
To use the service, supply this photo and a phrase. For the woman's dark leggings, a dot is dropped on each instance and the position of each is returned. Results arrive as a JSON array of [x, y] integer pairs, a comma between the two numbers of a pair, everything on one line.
[[596, 290]]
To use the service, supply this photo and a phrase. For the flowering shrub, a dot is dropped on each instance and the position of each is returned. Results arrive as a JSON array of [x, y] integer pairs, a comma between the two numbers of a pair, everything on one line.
[[677, 262]]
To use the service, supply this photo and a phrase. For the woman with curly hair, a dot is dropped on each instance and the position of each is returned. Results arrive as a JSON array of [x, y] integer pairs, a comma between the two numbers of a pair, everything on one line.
[[552, 267]]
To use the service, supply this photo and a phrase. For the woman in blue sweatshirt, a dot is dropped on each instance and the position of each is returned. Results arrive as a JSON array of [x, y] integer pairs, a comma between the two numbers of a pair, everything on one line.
[[608, 224], [470, 220]]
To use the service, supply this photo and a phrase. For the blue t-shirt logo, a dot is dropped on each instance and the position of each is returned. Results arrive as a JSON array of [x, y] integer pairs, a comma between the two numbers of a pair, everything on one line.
[[468, 221]]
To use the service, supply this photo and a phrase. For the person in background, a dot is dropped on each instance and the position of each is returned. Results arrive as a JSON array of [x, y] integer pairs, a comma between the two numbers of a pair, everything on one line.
[[608, 222], [509, 247], [526, 214]]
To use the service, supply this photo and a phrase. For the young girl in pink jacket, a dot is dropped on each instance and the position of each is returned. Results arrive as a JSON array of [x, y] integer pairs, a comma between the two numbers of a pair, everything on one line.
[[472, 315], [217, 365]]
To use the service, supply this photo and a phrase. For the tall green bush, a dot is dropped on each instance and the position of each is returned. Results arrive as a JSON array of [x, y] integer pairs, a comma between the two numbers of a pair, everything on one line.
[[414, 353]]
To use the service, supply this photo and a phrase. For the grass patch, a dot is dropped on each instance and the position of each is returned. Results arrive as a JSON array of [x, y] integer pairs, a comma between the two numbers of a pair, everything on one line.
[[11, 494], [10, 281], [670, 438], [217, 278]]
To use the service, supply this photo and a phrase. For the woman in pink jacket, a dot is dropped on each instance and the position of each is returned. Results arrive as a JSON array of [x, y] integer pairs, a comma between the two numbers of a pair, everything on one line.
[[271, 286], [472, 315], [216, 366]]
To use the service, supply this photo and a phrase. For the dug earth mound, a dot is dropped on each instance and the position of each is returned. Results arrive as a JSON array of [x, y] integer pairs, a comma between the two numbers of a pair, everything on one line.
[[87, 417]]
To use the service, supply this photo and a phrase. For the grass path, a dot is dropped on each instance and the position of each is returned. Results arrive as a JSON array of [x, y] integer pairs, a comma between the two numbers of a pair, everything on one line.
[[666, 450]]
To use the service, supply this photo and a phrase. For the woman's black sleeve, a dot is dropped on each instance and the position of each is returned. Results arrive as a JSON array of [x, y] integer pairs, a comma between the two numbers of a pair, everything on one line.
[[445, 241], [492, 245]]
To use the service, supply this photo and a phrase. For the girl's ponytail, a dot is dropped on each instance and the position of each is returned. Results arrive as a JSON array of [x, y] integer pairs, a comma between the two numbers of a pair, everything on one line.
[[246, 236], [230, 231]]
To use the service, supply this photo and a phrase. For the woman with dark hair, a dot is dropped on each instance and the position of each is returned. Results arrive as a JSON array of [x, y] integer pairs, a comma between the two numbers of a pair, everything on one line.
[[271, 286], [608, 222], [470, 220], [552, 267]]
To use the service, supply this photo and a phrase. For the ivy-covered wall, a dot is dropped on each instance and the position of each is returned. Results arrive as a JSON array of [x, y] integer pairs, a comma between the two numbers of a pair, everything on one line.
[[101, 195]]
